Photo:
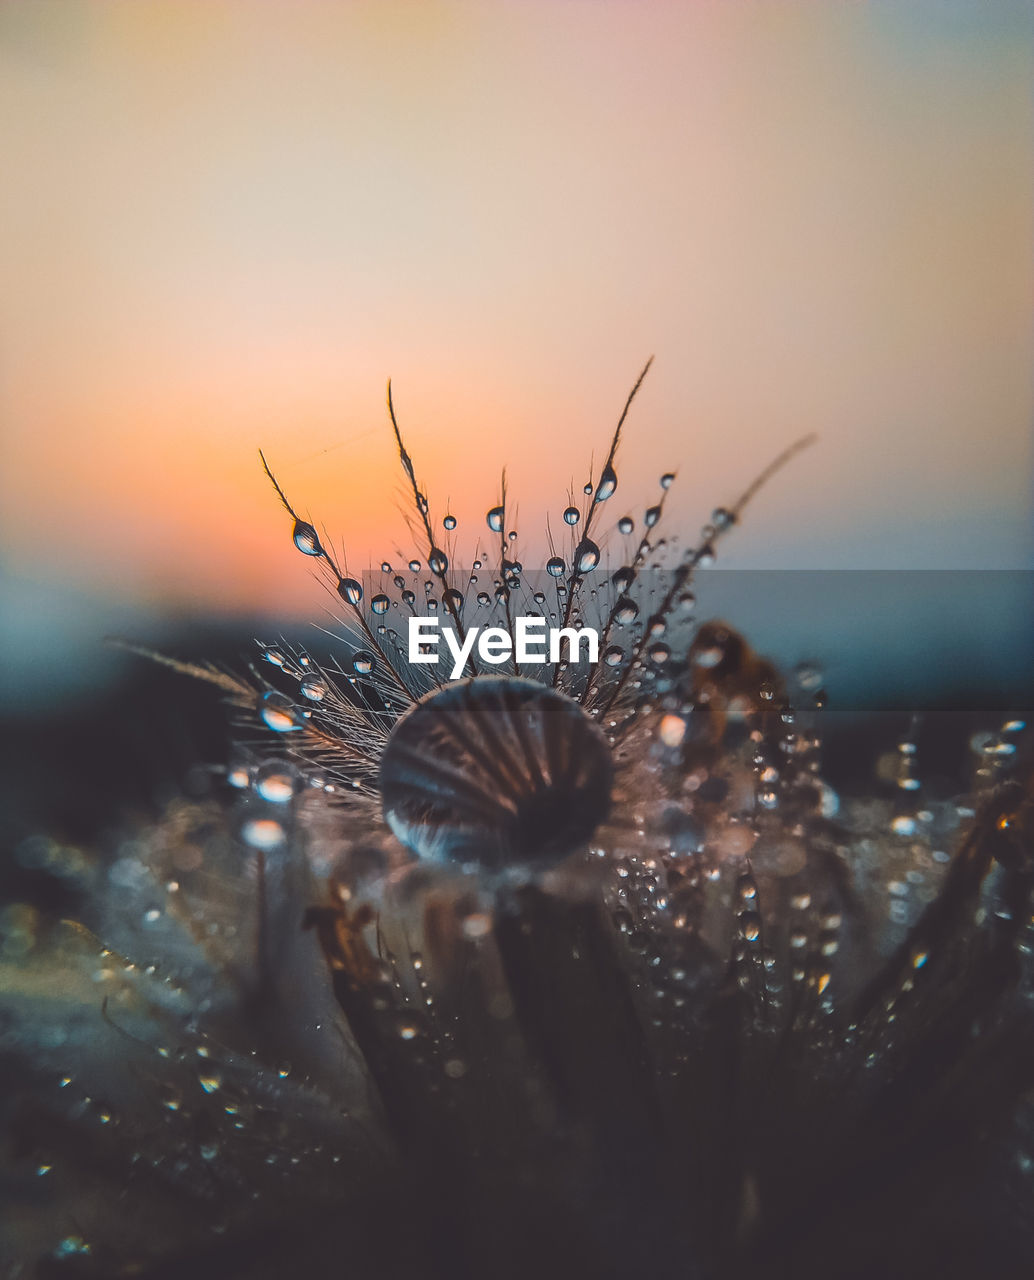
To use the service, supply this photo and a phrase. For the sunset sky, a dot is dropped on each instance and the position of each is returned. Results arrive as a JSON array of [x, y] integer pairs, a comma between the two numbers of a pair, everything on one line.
[[224, 225]]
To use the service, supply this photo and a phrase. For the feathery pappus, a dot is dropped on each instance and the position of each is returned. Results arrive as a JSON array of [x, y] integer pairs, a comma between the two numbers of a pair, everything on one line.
[[573, 969]]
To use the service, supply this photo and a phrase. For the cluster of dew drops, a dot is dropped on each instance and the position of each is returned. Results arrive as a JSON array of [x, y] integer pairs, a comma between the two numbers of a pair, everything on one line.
[[374, 677]]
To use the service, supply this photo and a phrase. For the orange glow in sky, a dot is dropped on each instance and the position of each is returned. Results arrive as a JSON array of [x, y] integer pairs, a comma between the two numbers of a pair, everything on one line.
[[224, 225]]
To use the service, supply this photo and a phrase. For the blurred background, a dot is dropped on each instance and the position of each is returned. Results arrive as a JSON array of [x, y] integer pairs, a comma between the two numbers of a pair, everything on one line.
[[224, 225]]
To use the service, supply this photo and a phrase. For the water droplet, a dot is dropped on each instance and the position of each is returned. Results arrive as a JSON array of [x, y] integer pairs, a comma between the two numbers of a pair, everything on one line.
[[483, 598], [408, 597], [275, 657], [306, 539], [809, 676], [350, 590], [438, 561], [659, 652], [555, 567], [380, 604], [587, 556], [362, 663], [666, 479], [445, 798], [614, 655], [653, 514], [750, 926], [671, 730], [454, 600], [608, 483], [722, 518], [238, 777], [385, 567], [587, 489], [625, 611], [278, 712], [276, 781], [449, 523], [315, 688], [495, 519], [263, 834], [626, 524], [705, 556], [409, 1025], [572, 515], [414, 566]]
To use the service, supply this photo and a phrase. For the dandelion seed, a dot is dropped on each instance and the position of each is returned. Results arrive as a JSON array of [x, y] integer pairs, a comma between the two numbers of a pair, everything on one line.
[[597, 966]]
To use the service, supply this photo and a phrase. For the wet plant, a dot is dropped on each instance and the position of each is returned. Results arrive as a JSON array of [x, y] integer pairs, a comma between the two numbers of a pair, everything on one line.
[[584, 973]]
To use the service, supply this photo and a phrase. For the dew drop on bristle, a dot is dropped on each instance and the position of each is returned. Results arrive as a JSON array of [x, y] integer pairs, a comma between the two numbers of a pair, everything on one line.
[[350, 590], [608, 483], [653, 514], [380, 604], [438, 561], [264, 834], [666, 479], [614, 655], [587, 489], [659, 653], [278, 712], [314, 688], [385, 567], [496, 771], [626, 524], [454, 599], [587, 556], [362, 663], [495, 519], [625, 611], [276, 781], [722, 518], [449, 523], [572, 515], [483, 598], [306, 539], [555, 567], [414, 566]]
